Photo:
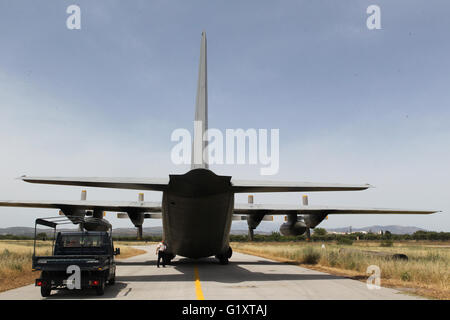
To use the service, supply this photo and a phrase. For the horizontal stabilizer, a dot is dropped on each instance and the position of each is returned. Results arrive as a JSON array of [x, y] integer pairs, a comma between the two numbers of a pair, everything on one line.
[[244, 186], [120, 183]]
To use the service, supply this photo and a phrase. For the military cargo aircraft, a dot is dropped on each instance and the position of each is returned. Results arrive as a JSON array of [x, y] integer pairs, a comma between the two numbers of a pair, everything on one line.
[[197, 207]]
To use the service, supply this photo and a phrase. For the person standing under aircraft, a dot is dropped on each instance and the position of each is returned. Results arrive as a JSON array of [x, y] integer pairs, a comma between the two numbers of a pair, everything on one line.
[[160, 248]]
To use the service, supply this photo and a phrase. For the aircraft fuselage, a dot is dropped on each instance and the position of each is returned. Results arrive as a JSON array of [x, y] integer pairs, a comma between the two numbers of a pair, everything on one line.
[[197, 210]]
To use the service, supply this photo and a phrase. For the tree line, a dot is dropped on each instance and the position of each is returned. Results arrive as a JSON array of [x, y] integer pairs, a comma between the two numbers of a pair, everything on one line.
[[318, 235]]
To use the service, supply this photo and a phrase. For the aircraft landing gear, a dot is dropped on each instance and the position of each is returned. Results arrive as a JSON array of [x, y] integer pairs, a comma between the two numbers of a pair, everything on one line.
[[167, 257], [223, 258], [230, 252]]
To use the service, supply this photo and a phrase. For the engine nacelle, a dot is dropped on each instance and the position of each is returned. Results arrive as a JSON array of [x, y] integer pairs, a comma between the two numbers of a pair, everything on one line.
[[74, 215], [293, 229], [295, 226], [254, 220], [137, 218], [93, 224]]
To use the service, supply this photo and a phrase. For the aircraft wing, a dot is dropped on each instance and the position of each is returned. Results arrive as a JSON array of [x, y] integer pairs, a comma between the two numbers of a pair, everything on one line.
[[115, 206], [120, 183], [244, 186], [277, 209]]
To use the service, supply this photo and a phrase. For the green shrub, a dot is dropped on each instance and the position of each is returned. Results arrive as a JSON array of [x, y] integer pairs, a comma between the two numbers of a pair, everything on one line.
[[387, 243], [345, 241], [405, 276], [311, 255]]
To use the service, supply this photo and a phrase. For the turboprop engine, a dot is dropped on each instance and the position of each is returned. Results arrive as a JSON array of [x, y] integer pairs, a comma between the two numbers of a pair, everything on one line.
[[295, 226], [253, 220], [76, 215], [137, 217], [87, 219], [94, 224]]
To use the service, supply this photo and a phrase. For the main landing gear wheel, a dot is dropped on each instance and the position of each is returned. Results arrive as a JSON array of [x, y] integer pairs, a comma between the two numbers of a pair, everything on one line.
[[230, 252], [167, 257], [223, 258]]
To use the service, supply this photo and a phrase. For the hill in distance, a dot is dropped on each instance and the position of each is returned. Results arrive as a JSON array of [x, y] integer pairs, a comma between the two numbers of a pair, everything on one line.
[[375, 229]]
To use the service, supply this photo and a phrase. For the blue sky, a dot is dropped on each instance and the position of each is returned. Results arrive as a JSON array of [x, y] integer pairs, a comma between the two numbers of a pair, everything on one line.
[[352, 105]]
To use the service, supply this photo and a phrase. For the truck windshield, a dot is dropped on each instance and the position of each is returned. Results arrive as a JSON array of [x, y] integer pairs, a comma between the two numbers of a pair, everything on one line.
[[81, 241]]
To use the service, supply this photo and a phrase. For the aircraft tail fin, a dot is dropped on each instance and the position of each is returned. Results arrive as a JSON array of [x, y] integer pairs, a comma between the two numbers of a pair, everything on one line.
[[201, 112]]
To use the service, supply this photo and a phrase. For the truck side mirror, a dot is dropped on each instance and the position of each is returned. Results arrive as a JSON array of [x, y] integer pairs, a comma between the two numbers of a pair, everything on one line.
[[117, 251]]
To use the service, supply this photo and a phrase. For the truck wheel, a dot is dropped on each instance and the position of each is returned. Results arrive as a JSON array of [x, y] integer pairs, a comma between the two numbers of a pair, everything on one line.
[[46, 291], [100, 289]]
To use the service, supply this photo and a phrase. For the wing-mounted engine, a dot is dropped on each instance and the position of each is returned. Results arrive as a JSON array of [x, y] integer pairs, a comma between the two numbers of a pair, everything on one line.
[[297, 225], [89, 220], [253, 220], [137, 216], [76, 215], [95, 224]]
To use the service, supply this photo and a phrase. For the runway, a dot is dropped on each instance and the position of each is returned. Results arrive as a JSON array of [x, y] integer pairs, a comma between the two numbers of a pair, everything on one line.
[[245, 277]]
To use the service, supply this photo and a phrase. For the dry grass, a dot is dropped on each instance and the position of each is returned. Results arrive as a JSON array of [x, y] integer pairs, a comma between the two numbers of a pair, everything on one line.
[[426, 272], [128, 252], [15, 261]]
